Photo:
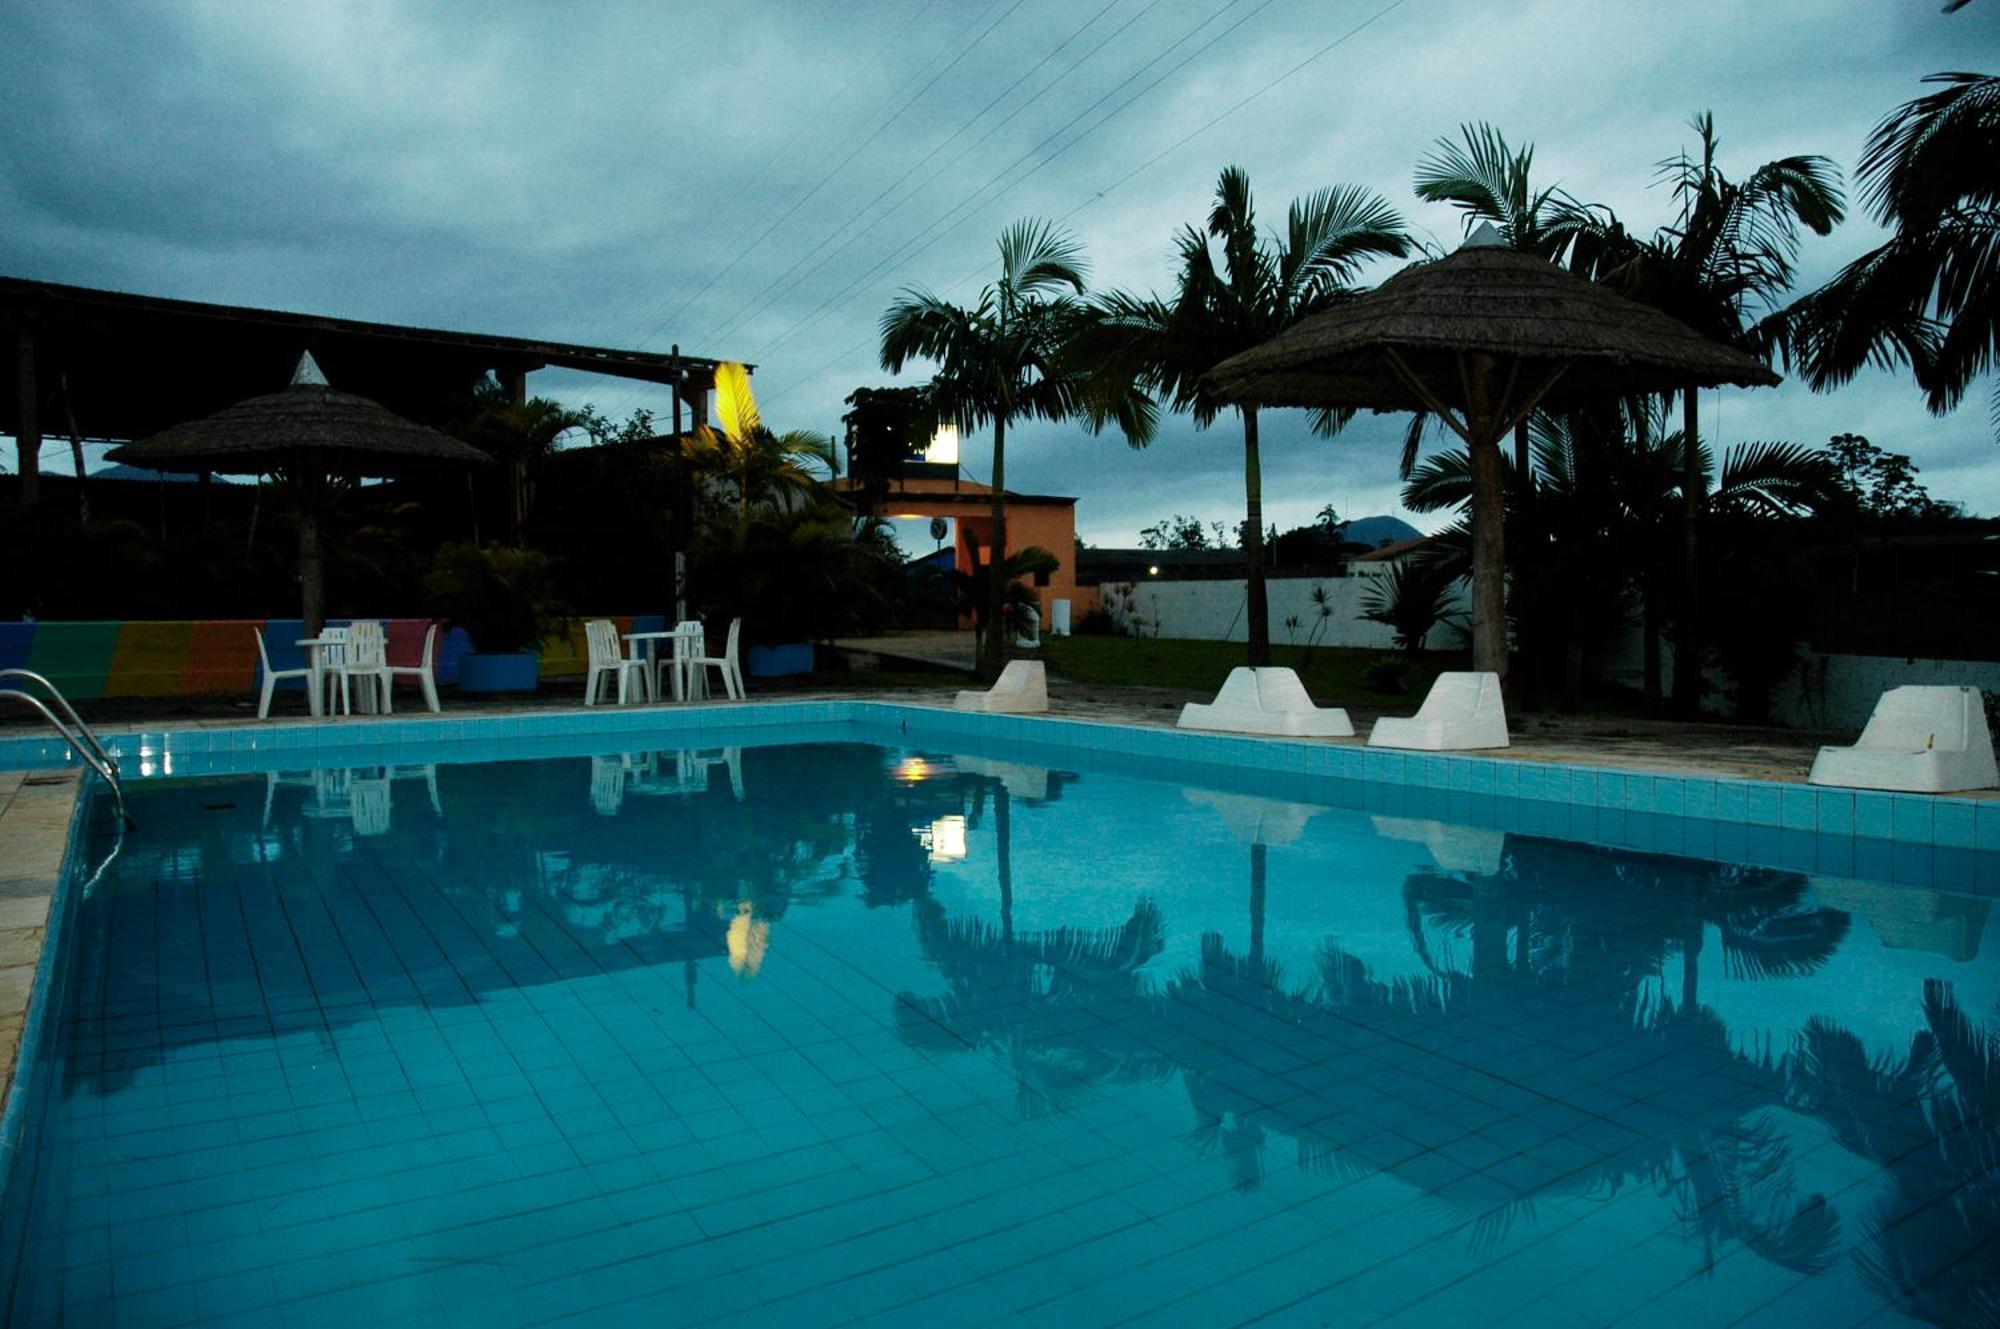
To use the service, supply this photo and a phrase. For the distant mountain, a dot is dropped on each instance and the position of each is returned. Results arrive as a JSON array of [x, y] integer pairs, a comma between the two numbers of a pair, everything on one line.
[[1377, 531]]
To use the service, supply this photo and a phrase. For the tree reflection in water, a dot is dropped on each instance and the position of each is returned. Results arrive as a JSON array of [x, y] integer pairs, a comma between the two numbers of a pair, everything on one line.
[[1931, 1120], [1559, 1041]]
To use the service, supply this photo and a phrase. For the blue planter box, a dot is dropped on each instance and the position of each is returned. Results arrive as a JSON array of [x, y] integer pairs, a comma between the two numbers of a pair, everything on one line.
[[514, 672], [794, 657]]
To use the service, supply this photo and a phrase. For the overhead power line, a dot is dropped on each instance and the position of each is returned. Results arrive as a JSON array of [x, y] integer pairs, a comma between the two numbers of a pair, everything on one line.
[[1317, 55]]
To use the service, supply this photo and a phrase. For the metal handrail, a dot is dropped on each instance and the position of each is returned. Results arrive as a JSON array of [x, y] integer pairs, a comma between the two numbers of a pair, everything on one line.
[[75, 732]]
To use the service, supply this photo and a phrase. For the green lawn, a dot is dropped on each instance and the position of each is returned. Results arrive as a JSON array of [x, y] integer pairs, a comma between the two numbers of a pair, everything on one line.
[[1334, 675]]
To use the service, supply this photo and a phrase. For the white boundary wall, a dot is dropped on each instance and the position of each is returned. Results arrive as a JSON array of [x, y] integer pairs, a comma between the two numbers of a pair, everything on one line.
[[1215, 610], [1840, 691], [1825, 692]]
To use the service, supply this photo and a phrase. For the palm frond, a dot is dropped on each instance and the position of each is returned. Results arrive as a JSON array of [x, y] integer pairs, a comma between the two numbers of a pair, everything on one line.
[[1036, 257], [1331, 232], [1935, 153]]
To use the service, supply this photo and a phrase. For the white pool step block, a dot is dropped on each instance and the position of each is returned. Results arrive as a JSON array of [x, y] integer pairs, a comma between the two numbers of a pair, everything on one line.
[[1266, 701], [1920, 740], [1463, 711], [1021, 689]]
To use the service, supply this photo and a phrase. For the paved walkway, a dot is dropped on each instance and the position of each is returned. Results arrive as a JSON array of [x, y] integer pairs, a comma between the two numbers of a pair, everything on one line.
[[951, 649], [1654, 745], [34, 826]]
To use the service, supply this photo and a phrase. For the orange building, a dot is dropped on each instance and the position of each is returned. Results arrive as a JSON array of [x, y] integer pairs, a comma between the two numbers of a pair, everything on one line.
[[1046, 520]]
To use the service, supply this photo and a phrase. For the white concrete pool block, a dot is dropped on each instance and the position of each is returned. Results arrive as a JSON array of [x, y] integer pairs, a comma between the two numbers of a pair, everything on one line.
[[1021, 689], [1463, 712], [1266, 701], [1920, 740]]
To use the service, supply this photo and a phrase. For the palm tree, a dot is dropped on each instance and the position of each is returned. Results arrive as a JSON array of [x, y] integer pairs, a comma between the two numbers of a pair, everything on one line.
[[1260, 289], [1727, 256], [1013, 355], [1609, 486], [972, 590], [1488, 181], [1925, 298], [520, 434], [760, 465]]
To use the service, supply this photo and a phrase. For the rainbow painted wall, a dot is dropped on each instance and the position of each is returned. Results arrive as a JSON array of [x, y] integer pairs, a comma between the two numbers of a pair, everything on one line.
[[91, 660]]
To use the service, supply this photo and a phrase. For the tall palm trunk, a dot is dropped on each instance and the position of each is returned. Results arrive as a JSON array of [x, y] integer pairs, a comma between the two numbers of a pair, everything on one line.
[[1489, 594], [1528, 636], [1003, 840], [1687, 627], [993, 651], [1259, 854], [1259, 609]]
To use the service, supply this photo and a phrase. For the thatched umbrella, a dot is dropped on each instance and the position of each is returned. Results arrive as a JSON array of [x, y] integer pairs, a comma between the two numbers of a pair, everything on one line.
[[316, 441], [1481, 338]]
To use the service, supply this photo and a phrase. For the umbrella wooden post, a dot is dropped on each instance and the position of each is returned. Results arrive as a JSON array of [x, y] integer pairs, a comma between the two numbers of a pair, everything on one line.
[[1432, 337], [312, 573], [1489, 557]]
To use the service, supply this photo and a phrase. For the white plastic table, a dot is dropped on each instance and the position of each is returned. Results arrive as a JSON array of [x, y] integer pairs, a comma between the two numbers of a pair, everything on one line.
[[315, 648], [686, 639]]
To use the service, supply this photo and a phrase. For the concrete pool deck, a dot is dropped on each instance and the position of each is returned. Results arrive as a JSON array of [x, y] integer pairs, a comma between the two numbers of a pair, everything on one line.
[[1673, 747], [35, 809]]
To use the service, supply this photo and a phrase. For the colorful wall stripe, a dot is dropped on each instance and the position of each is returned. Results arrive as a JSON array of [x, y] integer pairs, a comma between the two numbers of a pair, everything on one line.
[[183, 659]]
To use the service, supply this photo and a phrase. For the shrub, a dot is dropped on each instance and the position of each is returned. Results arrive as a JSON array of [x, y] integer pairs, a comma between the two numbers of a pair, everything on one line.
[[502, 596]]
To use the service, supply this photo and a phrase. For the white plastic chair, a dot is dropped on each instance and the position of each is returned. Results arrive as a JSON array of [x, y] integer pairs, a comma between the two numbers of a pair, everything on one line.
[[1463, 710], [607, 785], [1021, 689], [369, 803], [690, 642], [600, 636], [1266, 701], [326, 662], [698, 665], [424, 673], [365, 657], [1920, 740], [272, 677]]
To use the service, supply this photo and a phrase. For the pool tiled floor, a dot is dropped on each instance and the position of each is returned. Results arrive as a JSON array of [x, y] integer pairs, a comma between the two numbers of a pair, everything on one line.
[[802, 1056]]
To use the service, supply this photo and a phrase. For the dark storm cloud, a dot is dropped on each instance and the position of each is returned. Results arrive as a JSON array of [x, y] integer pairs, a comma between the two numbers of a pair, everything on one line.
[[757, 181]]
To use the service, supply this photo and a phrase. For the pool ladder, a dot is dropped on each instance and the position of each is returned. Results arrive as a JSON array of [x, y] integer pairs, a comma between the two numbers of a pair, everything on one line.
[[71, 726]]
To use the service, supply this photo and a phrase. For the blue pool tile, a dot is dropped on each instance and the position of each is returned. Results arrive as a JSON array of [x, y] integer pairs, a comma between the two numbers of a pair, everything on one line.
[[1952, 824], [1731, 800], [1874, 814], [1986, 824], [1912, 818], [1762, 805], [1835, 811], [1799, 807]]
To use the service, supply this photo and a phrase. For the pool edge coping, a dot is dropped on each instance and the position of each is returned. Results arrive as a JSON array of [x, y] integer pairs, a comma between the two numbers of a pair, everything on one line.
[[1943, 821]]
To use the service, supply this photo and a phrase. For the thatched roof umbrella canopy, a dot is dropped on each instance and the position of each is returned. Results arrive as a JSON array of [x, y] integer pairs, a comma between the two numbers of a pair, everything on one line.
[[1482, 338], [316, 441]]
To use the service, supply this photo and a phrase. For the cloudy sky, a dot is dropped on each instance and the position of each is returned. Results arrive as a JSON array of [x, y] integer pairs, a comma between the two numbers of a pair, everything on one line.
[[756, 182]]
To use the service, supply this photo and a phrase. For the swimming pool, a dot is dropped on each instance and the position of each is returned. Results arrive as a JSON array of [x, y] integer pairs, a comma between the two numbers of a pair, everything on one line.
[[856, 1021]]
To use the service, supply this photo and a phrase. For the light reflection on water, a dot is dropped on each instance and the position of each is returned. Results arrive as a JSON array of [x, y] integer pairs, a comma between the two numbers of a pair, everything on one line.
[[1489, 1061]]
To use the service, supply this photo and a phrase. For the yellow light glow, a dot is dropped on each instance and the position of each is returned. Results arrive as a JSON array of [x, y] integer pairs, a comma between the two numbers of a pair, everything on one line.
[[1153, 571], [906, 516], [749, 938], [943, 449], [911, 770], [946, 840], [735, 405]]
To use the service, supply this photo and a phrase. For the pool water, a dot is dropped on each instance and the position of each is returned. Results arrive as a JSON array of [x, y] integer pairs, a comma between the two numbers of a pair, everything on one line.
[[863, 1030]]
